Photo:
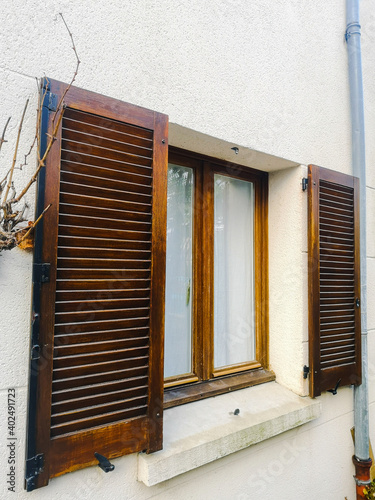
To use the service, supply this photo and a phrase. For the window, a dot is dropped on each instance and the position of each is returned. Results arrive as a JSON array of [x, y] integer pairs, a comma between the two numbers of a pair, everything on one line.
[[129, 242], [216, 277], [96, 379]]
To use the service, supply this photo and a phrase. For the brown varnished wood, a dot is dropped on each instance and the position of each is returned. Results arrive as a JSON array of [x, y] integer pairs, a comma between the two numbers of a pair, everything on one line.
[[101, 388], [104, 304], [198, 284], [334, 320], [102, 253], [194, 392], [197, 258], [99, 399], [118, 127], [100, 326], [88, 419], [78, 158], [78, 295], [105, 203], [104, 173], [107, 255], [77, 148], [261, 270], [102, 274], [93, 337], [109, 366], [122, 225], [157, 308], [100, 345], [102, 263], [111, 194], [204, 169], [208, 271], [84, 382], [112, 441], [101, 182], [238, 368], [48, 290], [102, 142], [98, 315], [103, 130], [105, 243], [104, 284]]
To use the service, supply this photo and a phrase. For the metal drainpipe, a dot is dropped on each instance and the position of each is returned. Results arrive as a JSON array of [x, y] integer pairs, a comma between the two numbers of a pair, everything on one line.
[[361, 458]]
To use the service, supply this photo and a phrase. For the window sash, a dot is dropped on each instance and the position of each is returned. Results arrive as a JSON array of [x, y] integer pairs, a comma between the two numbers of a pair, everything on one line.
[[243, 374], [234, 328], [178, 352]]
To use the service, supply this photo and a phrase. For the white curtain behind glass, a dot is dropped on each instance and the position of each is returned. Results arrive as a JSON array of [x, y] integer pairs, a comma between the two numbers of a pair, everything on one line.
[[234, 332], [178, 300]]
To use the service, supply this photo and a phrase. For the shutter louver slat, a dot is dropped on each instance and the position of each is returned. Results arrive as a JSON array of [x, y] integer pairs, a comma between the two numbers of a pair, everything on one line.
[[334, 320], [103, 335], [73, 413]]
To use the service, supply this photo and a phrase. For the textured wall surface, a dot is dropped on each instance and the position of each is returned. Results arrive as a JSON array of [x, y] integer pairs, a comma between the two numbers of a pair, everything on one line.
[[265, 76]]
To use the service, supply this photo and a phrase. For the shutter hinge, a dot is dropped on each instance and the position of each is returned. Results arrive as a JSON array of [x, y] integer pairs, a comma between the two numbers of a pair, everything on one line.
[[34, 466], [41, 273], [305, 182], [306, 371], [50, 101]]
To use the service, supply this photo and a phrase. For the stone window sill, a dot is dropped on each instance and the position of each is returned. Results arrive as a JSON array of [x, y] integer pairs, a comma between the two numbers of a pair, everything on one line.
[[204, 431]]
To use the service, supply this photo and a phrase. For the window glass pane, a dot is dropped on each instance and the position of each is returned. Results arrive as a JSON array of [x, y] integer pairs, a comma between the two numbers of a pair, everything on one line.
[[178, 302], [234, 331]]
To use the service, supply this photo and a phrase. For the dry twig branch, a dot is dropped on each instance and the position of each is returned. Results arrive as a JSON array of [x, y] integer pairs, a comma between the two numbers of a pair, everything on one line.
[[14, 158], [10, 235], [2, 140], [40, 162], [75, 72], [37, 128], [34, 224]]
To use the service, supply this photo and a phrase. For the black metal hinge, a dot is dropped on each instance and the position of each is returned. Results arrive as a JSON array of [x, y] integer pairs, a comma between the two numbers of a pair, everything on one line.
[[41, 273], [305, 182], [34, 466]]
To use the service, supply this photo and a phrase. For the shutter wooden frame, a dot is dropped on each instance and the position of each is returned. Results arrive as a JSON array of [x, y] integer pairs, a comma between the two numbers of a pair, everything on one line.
[[75, 450], [334, 349]]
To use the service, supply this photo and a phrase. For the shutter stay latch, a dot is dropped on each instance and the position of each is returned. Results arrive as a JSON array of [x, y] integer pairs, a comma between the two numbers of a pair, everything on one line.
[[34, 466], [306, 371], [334, 391], [305, 182], [104, 463]]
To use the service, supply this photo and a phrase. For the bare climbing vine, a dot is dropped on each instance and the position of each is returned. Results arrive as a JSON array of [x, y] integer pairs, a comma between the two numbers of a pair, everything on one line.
[[13, 207]]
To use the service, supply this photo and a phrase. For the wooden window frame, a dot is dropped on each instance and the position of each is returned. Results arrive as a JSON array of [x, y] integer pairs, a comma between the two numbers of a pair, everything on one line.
[[205, 381]]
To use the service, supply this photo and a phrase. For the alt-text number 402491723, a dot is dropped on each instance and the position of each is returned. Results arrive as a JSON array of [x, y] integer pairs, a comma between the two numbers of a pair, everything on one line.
[[11, 438]]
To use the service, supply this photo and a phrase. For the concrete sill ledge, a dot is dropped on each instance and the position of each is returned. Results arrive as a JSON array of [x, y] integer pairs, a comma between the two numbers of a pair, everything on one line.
[[201, 432]]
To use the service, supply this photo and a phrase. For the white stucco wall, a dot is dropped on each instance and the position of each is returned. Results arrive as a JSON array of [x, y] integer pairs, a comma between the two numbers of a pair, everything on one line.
[[264, 76]]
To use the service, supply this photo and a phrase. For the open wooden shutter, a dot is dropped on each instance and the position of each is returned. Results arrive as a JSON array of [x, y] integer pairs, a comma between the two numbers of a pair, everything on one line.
[[334, 280], [100, 369]]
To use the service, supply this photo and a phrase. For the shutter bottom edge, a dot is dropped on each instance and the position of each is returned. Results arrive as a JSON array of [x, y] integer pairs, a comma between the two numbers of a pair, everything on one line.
[[111, 441], [347, 373]]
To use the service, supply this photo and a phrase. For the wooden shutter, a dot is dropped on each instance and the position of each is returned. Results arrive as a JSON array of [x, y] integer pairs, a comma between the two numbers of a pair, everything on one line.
[[100, 373], [334, 286]]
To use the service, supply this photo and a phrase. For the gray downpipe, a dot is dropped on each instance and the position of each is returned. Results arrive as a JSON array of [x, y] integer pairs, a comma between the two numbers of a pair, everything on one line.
[[353, 38]]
